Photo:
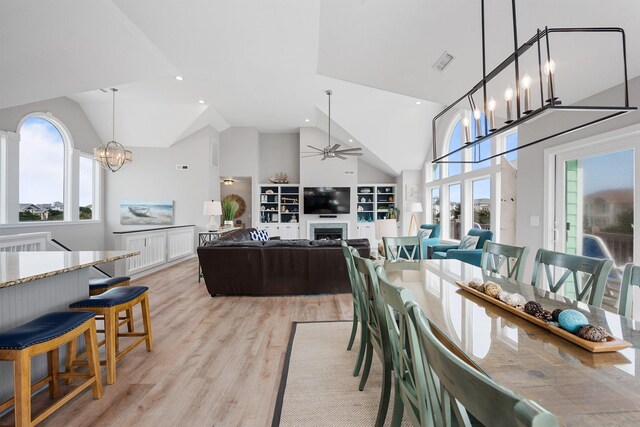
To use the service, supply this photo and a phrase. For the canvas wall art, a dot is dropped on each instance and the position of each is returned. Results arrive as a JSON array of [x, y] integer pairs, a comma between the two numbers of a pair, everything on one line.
[[133, 212]]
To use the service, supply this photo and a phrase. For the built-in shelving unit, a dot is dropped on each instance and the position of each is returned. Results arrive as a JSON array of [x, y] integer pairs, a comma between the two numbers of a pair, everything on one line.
[[280, 210], [374, 201]]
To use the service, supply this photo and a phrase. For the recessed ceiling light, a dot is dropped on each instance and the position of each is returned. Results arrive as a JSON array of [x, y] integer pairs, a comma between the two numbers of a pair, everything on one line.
[[418, 102], [306, 120], [180, 78], [201, 101], [350, 140]]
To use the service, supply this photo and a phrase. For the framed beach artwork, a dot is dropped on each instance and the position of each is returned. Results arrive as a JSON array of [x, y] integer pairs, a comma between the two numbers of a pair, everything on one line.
[[133, 212]]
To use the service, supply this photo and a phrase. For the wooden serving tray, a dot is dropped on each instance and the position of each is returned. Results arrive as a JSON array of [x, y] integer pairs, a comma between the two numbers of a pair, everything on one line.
[[612, 343]]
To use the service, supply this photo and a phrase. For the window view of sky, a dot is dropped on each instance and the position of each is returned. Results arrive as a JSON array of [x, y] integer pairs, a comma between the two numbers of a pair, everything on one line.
[[85, 181], [41, 162], [607, 171]]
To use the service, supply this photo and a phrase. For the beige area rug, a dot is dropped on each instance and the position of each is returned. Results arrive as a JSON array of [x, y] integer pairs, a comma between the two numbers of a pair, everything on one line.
[[318, 387]]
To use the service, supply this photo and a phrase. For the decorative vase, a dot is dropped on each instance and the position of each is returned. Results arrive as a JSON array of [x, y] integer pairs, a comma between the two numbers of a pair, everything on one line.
[[228, 223]]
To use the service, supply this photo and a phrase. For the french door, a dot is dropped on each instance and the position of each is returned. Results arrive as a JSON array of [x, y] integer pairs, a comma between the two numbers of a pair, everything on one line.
[[596, 206]]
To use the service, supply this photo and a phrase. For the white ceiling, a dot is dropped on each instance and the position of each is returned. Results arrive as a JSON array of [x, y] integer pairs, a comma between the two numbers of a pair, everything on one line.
[[266, 64]]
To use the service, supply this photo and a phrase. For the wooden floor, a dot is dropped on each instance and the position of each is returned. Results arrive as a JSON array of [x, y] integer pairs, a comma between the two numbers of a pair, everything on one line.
[[215, 362]]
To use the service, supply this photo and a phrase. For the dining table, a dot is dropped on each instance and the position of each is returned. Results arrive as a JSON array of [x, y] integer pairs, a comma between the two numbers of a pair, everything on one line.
[[580, 387]]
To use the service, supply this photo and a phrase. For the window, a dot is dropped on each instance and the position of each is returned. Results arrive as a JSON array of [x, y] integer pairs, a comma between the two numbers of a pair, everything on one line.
[[455, 142], [85, 187], [482, 203], [435, 205], [42, 171], [512, 142], [455, 209]]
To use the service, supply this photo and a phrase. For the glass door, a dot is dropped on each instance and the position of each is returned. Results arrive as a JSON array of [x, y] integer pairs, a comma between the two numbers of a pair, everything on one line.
[[595, 208]]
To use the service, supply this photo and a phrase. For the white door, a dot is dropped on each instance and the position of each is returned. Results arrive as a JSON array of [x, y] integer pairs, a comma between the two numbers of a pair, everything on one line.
[[595, 206]]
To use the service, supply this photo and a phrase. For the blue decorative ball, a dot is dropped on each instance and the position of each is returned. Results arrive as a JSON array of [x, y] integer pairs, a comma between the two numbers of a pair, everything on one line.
[[572, 320]]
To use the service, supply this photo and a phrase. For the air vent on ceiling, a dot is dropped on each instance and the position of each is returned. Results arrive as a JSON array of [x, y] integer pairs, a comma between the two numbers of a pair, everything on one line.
[[182, 167], [444, 60]]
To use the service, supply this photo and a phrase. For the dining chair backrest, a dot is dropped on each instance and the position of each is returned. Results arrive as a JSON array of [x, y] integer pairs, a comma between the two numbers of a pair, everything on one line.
[[498, 258], [631, 277], [351, 269], [402, 248], [590, 290], [465, 389], [414, 382], [376, 320]]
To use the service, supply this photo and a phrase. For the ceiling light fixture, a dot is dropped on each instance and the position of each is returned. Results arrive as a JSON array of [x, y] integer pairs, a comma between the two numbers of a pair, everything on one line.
[[179, 78], [201, 101], [112, 155], [350, 140], [526, 85], [306, 120], [332, 151], [418, 102], [228, 181]]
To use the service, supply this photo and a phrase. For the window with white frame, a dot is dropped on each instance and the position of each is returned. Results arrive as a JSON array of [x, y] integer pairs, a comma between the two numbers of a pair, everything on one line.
[[466, 192], [52, 182]]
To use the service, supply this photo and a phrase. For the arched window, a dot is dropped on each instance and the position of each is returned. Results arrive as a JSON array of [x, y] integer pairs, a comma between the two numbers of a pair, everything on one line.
[[44, 148]]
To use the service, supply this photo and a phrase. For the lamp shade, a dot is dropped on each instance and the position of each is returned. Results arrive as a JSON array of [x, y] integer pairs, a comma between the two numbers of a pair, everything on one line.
[[386, 228], [415, 207], [212, 208]]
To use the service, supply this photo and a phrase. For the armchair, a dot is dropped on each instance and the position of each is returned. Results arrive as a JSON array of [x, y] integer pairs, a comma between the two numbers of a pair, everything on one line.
[[432, 240], [470, 256]]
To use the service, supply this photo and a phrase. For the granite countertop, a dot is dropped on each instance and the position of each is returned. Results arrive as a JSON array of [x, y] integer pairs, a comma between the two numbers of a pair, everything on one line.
[[22, 267]]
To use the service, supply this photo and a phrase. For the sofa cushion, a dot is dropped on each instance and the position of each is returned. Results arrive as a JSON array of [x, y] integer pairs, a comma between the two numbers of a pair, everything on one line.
[[231, 243], [238, 235], [301, 243], [326, 242], [261, 235], [424, 233]]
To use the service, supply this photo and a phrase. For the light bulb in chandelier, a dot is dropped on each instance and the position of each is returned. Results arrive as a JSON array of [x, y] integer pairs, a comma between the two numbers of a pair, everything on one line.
[[477, 115], [549, 71], [467, 130], [525, 83], [508, 97], [491, 106]]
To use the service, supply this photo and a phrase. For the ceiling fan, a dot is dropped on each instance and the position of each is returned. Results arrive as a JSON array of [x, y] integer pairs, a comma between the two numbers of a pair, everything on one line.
[[329, 151]]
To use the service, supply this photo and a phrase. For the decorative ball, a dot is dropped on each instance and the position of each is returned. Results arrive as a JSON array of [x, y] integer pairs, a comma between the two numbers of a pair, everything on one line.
[[504, 296], [518, 301], [555, 313], [572, 320], [544, 315], [480, 288], [532, 308], [474, 283], [593, 333], [492, 289]]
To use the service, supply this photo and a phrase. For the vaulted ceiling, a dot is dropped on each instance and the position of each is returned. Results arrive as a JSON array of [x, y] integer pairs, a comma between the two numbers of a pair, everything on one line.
[[265, 64]]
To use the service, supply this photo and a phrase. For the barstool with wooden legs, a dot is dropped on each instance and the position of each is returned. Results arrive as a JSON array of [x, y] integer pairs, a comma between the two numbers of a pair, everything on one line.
[[101, 285], [109, 304], [47, 334]]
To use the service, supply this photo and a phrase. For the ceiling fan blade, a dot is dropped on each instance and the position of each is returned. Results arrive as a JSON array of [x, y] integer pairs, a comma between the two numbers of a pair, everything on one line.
[[340, 157], [348, 150], [311, 155], [324, 158], [315, 148], [349, 154], [335, 147]]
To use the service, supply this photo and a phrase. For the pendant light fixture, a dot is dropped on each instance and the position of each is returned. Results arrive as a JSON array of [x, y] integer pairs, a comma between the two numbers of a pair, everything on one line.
[[112, 155], [486, 123]]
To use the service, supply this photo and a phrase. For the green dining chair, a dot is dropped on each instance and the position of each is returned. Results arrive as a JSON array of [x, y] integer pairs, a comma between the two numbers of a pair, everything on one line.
[[359, 314], [464, 390], [414, 386], [590, 291], [378, 333], [498, 258], [631, 277], [402, 248]]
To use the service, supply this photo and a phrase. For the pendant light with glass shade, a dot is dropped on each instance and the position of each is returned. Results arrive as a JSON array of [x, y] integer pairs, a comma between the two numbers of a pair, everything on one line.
[[112, 155]]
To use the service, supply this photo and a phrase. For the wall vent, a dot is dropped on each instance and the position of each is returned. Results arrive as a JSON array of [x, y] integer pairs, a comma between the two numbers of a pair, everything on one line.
[[444, 60], [349, 172], [182, 167]]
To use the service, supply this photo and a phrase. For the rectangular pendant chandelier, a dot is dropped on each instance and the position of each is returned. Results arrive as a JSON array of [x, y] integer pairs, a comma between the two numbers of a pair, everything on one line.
[[481, 124]]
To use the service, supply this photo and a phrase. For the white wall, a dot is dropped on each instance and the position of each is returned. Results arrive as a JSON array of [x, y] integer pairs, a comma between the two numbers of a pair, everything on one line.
[[239, 154], [152, 176], [87, 236], [531, 194], [367, 174], [279, 152]]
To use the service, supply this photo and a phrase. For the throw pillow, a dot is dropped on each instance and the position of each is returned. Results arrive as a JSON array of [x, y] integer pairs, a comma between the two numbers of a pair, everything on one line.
[[468, 242], [261, 235], [424, 233]]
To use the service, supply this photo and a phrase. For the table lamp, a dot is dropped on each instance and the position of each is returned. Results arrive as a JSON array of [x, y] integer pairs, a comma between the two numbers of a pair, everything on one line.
[[414, 208], [212, 208], [385, 228]]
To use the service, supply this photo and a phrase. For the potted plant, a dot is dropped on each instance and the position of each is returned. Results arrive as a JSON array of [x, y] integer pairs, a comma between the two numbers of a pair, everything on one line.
[[229, 209]]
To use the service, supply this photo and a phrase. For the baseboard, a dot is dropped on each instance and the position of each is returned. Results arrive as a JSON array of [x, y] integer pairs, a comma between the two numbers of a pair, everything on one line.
[[162, 267]]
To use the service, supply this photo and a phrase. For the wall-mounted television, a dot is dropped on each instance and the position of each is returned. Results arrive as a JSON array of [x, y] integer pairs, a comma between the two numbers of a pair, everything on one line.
[[327, 200]]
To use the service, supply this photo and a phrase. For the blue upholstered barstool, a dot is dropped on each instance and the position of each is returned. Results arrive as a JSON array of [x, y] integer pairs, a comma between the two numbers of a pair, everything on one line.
[[103, 284], [109, 304], [47, 334]]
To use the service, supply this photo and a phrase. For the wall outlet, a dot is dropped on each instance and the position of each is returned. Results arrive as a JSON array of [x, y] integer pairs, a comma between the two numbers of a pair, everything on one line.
[[182, 167]]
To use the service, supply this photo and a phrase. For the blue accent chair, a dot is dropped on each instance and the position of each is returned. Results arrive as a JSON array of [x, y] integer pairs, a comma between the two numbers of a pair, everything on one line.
[[470, 256], [434, 237]]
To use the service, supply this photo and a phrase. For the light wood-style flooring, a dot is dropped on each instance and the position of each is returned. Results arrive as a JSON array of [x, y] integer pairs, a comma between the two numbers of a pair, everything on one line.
[[215, 361]]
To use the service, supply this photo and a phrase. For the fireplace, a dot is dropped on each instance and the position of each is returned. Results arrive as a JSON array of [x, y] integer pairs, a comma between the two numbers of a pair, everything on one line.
[[327, 234]]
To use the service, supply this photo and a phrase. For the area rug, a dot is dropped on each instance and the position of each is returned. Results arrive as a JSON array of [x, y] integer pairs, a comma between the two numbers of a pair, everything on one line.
[[318, 387]]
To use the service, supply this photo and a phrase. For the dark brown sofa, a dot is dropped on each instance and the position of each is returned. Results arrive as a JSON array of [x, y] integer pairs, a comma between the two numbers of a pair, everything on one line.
[[236, 265]]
